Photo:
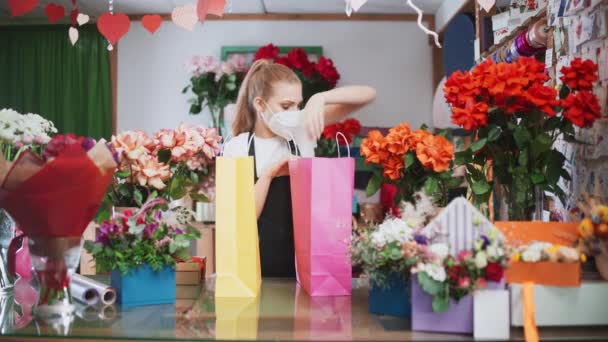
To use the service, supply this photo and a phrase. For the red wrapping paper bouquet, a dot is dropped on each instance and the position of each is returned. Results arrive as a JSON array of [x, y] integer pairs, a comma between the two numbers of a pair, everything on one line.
[[58, 194]]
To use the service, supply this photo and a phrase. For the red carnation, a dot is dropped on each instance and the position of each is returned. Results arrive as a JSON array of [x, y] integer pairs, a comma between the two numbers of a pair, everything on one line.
[[455, 273], [328, 71], [351, 127], [581, 108], [284, 61], [494, 272], [580, 75], [298, 59], [266, 52], [59, 141], [330, 131]]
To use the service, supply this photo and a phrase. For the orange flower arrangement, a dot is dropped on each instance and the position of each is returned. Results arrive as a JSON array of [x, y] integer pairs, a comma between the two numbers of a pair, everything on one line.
[[409, 159], [515, 119]]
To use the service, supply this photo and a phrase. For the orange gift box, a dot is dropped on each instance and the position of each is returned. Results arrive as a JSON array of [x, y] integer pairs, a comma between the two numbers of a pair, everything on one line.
[[542, 273]]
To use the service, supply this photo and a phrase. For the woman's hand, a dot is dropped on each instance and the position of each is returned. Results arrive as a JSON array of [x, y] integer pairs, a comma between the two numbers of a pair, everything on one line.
[[314, 116]]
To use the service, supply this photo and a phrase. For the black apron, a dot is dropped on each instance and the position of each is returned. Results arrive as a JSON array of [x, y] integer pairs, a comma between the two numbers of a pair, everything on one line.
[[275, 226]]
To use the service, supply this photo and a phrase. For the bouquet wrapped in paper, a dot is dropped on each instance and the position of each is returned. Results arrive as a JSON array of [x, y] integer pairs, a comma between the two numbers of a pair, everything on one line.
[[52, 198]]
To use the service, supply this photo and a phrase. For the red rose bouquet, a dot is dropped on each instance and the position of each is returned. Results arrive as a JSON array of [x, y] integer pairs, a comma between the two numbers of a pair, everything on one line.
[[52, 199], [327, 145], [316, 77], [515, 119]]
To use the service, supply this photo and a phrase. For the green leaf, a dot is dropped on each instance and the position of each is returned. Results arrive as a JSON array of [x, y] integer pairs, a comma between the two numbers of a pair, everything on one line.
[[123, 190], [555, 165], [479, 144], [552, 123], [199, 197], [522, 136], [164, 156], [136, 229], [410, 159], [494, 133], [374, 185], [542, 143], [564, 92], [138, 197], [232, 78], [441, 303], [463, 157], [523, 157], [431, 185], [537, 178], [122, 174], [455, 182], [194, 177], [481, 187], [172, 247], [185, 89], [429, 285], [565, 175]]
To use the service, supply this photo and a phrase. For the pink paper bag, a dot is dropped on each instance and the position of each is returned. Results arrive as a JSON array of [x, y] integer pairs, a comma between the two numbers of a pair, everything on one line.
[[321, 195]]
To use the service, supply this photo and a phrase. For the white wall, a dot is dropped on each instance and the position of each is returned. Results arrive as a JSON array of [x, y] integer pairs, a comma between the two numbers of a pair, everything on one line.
[[393, 57]]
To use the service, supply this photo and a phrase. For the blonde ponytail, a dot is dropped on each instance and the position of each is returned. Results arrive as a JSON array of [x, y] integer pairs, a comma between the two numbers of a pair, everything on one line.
[[258, 83]]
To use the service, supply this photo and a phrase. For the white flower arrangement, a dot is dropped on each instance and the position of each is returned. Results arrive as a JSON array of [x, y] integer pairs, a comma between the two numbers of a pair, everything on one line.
[[418, 215], [392, 230], [21, 130]]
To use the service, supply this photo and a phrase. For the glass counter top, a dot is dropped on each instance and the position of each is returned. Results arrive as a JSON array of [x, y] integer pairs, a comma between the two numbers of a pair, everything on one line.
[[283, 312]]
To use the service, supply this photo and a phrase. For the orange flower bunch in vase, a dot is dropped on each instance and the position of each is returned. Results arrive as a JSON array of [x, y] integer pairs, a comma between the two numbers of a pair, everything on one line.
[[411, 160], [515, 119]]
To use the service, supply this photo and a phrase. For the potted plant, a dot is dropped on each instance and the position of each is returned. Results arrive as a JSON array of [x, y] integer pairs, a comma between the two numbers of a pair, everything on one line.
[[140, 249], [515, 119], [215, 85], [170, 164], [442, 287], [316, 77], [386, 254], [412, 161]]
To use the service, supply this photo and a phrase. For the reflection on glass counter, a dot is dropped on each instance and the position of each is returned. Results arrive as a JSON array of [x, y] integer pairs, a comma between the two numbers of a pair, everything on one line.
[[282, 312]]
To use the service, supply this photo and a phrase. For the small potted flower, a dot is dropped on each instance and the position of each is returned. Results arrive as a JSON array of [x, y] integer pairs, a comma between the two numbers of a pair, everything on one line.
[[442, 288], [140, 249], [386, 254], [328, 144]]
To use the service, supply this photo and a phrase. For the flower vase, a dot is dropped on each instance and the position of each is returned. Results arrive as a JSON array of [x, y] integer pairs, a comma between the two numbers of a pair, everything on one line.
[[144, 286], [392, 297], [54, 261], [507, 209], [7, 233]]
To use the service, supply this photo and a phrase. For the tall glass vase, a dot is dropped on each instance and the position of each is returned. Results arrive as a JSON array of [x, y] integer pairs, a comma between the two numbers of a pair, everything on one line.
[[506, 208], [54, 261], [7, 233]]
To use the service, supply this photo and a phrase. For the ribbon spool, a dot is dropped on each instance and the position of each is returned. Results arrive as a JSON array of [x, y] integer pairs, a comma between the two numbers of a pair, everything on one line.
[[537, 34]]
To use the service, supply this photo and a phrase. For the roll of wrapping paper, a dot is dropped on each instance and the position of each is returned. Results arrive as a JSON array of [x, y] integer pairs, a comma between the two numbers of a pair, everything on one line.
[[81, 284]]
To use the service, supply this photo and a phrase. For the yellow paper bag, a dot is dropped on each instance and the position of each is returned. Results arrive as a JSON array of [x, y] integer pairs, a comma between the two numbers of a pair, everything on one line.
[[237, 255], [237, 318]]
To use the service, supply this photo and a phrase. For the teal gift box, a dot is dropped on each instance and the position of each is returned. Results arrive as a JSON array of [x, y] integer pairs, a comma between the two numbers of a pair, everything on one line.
[[391, 299], [143, 286]]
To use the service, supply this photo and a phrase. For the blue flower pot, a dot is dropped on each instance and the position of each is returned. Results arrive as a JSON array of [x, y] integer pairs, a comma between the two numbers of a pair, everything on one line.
[[143, 286], [393, 299]]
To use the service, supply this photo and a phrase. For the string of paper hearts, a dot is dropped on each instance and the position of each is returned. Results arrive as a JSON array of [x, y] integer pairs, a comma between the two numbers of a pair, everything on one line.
[[355, 5]]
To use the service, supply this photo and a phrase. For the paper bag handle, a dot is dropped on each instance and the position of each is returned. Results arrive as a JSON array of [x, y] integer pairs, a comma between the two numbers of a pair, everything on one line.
[[338, 135], [226, 141]]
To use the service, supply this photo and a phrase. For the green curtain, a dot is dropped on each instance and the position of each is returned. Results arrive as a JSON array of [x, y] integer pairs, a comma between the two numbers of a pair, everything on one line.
[[41, 72]]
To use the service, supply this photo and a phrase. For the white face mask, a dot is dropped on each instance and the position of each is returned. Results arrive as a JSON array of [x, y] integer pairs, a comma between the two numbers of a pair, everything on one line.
[[284, 124]]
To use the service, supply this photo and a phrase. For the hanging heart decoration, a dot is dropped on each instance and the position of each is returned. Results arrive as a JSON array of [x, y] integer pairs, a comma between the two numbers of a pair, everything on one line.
[[217, 7], [113, 26], [82, 19], [185, 16], [73, 34], [202, 8], [486, 4], [54, 12], [151, 22], [19, 7]]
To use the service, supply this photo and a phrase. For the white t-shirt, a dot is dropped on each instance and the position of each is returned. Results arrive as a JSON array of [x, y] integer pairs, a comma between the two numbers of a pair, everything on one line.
[[268, 151]]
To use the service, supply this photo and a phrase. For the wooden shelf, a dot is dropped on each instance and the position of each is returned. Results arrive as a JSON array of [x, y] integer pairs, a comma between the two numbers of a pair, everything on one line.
[[542, 14]]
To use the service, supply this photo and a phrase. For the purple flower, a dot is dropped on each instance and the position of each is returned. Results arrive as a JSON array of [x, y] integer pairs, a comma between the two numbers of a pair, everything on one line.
[[114, 153], [421, 239], [150, 229], [176, 231], [88, 143], [158, 215], [486, 242], [105, 231]]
